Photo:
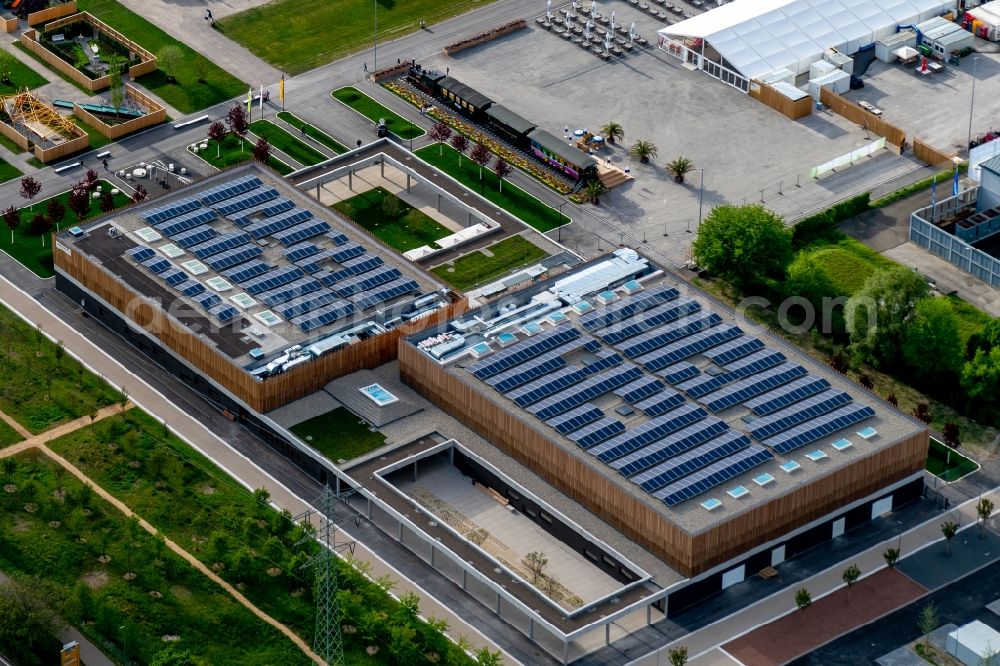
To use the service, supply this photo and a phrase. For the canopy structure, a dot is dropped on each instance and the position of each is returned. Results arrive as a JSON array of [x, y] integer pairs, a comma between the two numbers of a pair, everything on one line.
[[751, 38]]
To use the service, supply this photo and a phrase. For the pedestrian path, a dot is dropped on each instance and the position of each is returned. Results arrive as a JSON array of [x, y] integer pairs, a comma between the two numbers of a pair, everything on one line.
[[21, 430]]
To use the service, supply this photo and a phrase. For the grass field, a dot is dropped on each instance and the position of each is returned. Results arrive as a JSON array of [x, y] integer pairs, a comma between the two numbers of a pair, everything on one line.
[[21, 77], [843, 265], [512, 199], [968, 318], [283, 34], [230, 152], [299, 151], [338, 434], [187, 94], [409, 228], [28, 248], [10, 145], [8, 172], [372, 110], [8, 435], [312, 132], [53, 528], [97, 140], [947, 464], [37, 388], [476, 268]]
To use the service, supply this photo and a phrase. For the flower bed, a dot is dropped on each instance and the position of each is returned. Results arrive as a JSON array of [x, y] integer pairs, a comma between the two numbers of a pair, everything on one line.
[[514, 159], [483, 37], [390, 72]]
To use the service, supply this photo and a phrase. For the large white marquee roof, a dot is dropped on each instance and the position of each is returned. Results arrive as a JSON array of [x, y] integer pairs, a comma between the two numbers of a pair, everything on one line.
[[760, 36]]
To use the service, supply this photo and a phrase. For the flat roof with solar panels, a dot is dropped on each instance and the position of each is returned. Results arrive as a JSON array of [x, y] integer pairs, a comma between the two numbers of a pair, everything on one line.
[[662, 391], [260, 266]]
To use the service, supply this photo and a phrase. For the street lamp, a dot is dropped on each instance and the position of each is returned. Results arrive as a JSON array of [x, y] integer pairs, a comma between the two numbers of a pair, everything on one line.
[[972, 101], [701, 196], [375, 36]]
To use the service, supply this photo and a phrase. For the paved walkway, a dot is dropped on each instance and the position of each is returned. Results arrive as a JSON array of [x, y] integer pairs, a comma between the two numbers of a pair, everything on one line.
[[38, 442], [193, 432]]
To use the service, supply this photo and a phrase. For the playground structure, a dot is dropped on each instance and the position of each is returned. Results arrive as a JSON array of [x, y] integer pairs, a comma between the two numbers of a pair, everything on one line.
[[35, 11], [138, 111], [67, 31], [32, 124]]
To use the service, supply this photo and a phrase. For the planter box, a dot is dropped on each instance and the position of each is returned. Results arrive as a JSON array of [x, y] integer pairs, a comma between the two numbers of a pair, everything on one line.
[[488, 36]]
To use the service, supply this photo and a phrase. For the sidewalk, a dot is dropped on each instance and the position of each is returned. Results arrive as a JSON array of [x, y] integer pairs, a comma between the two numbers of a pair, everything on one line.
[[197, 435]]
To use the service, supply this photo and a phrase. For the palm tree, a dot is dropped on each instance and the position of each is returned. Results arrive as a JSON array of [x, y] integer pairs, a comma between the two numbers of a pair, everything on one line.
[[644, 150], [595, 188], [679, 167], [613, 132]]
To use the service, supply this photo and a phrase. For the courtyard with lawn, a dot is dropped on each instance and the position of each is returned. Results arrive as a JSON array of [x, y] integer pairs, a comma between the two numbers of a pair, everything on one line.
[[338, 435], [284, 35], [31, 245], [948, 464], [374, 111], [232, 150], [197, 81], [477, 268], [392, 220], [312, 131], [512, 199], [280, 139]]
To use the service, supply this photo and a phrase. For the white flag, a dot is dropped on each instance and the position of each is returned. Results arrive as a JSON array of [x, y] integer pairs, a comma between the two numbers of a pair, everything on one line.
[[262, 99]]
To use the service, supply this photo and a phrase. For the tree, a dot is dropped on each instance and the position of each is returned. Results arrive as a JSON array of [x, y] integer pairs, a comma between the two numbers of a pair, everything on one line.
[[949, 529], [168, 59], [30, 189], [613, 132], [928, 622], [216, 131], [743, 244], [173, 656], [644, 150], [486, 658], [536, 563], [879, 313], [891, 556], [595, 188], [980, 376], [107, 202], [91, 180], [986, 339], [680, 167], [440, 133], [480, 155], [39, 225], [866, 380], [12, 218], [79, 203], [850, 577], [238, 120], [56, 211], [502, 170], [7, 64], [678, 656], [461, 144], [952, 435], [802, 598], [984, 508], [139, 194], [262, 499], [115, 81], [932, 347], [262, 151], [9, 466], [26, 616], [922, 412]]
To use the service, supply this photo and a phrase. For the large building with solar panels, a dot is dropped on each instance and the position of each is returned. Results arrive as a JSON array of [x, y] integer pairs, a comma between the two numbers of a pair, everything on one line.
[[258, 294], [713, 445]]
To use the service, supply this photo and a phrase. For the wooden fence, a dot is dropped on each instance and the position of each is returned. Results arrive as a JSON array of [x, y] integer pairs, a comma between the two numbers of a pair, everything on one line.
[[260, 396], [848, 109], [790, 108], [68, 147], [936, 158], [155, 115], [31, 40], [56, 10]]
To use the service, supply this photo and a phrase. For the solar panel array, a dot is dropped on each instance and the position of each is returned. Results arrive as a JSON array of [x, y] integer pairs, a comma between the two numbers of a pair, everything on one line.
[[660, 403], [186, 221], [734, 349], [714, 474], [207, 299], [596, 432], [140, 253], [278, 222], [366, 281], [273, 278], [810, 431], [663, 335], [194, 236], [173, 276], [249, 200], [278, 295], [749, 365], [821, 403], [575, 418], [640, 389], [228, 241], [237, 255], [649, 432], [678, 372], [301, 232], [300, 251], [524, 350], [752, 386], [689, 346], [649, 319], [246, 271], [683, 464], [324, 315], [224, 312], [156, 264], [164, 213], [547, 385], [781, 397], [386, 292], [356, 266], [348, 252], [305, 304], [587, 390], [627, 307], [269, 208], [679, 442], [190, 287], [229, 189]]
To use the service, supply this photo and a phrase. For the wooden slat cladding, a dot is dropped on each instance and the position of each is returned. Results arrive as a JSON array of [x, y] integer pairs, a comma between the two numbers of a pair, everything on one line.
[[689, 554], [260, 396], [793, 109], [848, 109]]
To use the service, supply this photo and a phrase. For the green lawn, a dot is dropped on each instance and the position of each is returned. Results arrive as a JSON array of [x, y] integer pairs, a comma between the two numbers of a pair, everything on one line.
[[512, 199], [844, 265], [51, 527], [230, 152], [8, 172], [97, 140], [296, 149], [294, 40], [312, 132], [187, 94], [8, 435], [33, 251], [37, 389], [947, 464], [476, 268], [10, 145], [372, 110], [21, 77], [407, 229], [339, 435]]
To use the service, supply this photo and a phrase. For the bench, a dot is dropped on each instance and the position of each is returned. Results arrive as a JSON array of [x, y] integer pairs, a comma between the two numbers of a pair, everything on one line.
[[105, 153], [191, 122], [489, 492], [62, 168]]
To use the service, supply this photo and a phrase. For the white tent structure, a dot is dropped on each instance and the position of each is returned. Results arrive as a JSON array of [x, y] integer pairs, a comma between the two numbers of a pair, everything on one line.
[[748, 39]]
